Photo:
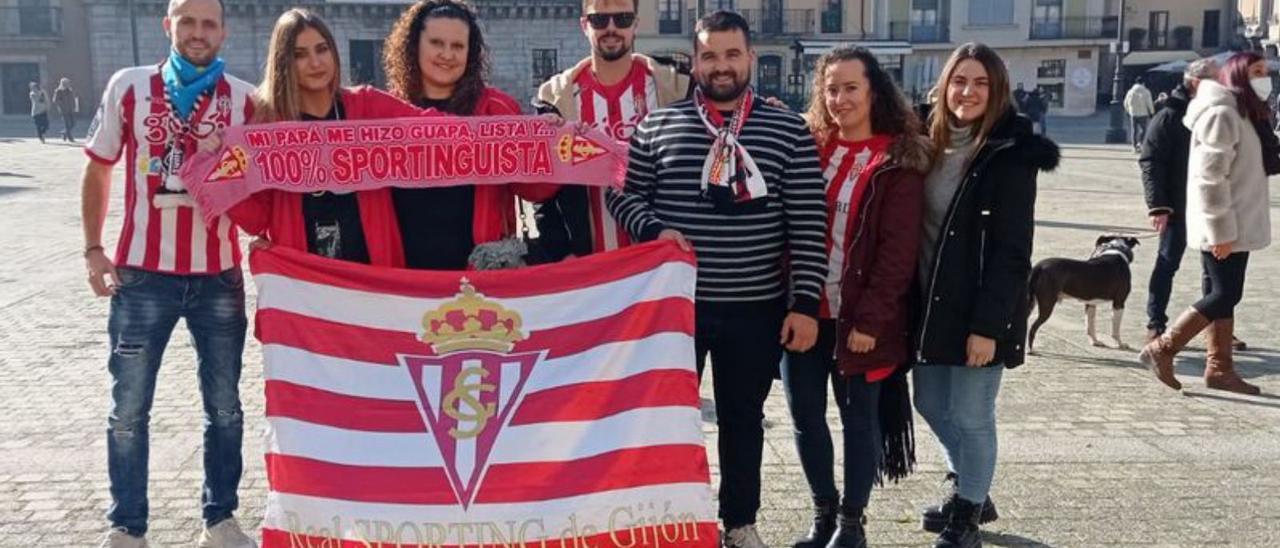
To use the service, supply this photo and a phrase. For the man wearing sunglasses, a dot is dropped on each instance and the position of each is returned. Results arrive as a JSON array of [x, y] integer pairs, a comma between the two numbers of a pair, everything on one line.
[[612, 90]]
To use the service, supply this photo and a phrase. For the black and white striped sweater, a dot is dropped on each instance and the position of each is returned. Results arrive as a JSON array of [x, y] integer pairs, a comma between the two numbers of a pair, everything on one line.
[[740, 253]]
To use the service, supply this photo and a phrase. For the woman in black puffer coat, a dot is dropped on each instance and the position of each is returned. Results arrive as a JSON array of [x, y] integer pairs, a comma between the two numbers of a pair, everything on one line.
[[971, 313]]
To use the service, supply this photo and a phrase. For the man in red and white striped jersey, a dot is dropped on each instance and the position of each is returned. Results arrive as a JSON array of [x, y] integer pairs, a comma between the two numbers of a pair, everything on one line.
[[168, 265], [612, 90]]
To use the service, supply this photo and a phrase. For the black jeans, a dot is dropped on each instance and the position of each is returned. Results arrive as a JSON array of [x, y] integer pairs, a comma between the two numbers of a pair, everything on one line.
[[1223, 284], [805, 377], [1173, 241], [742, 339]]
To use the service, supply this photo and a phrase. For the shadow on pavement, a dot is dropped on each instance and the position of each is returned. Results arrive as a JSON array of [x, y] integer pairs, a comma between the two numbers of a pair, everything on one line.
[[4, 190], [14, 175], [1008, 539], [1273, 401]]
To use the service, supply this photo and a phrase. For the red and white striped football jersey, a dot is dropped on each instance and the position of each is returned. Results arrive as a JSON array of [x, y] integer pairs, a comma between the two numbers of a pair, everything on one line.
[[137, 122], [616, 110]]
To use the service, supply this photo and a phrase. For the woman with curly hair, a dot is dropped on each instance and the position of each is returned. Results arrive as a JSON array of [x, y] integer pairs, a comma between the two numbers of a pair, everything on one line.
[[874, 157], [302, 83], [435, 57]]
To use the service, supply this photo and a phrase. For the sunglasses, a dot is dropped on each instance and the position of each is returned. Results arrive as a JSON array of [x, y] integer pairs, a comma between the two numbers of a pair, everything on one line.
[[600, 21]]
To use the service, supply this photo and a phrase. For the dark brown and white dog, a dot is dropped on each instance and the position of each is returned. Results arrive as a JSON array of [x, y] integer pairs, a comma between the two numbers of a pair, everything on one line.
[[1104, 278]]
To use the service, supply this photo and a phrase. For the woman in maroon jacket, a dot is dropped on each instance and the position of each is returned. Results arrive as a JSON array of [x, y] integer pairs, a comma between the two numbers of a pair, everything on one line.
[[874, 157], [301, 82]]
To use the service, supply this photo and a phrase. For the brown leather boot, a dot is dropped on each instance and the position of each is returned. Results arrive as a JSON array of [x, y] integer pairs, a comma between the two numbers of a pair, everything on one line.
[[1158, 354], [1219, 367]]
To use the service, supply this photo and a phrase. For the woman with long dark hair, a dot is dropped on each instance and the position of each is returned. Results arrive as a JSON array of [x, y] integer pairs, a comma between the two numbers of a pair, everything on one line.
[[435, 57], [974, 262], [874, 158], [1228, 215], [302, 83]]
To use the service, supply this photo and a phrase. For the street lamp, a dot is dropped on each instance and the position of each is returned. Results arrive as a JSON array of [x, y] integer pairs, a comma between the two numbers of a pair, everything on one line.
[[1116, 133]]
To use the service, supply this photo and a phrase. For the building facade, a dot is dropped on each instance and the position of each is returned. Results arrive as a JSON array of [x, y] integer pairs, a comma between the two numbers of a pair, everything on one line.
[[1063, 47], [528, 39], [42, 41]]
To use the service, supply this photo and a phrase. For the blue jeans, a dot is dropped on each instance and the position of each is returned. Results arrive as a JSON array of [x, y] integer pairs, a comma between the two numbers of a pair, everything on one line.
[[144, 311], [959, 403], [1173, 241], [1138, 129], [805, 376]]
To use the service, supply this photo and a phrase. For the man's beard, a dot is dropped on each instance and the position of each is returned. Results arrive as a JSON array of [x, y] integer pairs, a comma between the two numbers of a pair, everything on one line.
[[613, 55], [723, 94], [198, 60]]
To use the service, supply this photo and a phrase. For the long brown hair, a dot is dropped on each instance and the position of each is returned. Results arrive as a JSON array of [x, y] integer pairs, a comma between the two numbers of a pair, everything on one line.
[[400, 54], [998, 104], [890, 113], [277, 97], [1234, 75]]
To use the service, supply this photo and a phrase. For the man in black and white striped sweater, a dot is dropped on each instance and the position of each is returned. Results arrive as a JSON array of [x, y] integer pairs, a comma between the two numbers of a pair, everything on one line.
[[739, 182]]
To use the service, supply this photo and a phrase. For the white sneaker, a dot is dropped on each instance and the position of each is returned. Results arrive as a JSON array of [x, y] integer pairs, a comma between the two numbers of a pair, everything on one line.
[[119, 538], [743, 537], [226, 534]]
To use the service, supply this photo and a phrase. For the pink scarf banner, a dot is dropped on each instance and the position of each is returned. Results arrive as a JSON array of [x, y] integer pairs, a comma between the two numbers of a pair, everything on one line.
[[424, 152]]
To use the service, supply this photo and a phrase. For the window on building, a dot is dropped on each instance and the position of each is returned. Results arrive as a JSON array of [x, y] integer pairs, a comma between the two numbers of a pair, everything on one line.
[[1212, 28], [544, 65], [1046, 19], [1158, 30], [833, 16], [35, 18], [670, 20], [714, 5], [990, 12], [929, 20], [1052, 68], [14, 79], [364, 62], [769, 76]]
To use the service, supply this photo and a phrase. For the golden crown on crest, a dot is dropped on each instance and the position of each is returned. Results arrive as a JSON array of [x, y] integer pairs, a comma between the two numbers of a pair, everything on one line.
[[471, 322]]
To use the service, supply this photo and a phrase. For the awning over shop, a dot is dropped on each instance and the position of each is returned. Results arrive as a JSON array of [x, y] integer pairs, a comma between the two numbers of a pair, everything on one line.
[[1141, 58], [878, 47]]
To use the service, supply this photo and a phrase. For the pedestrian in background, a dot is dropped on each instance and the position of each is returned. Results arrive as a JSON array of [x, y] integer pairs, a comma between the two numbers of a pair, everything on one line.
[[1164, 180], [68, 107], [39, 109], [979, 219], [1140, 107], [1228, 216]]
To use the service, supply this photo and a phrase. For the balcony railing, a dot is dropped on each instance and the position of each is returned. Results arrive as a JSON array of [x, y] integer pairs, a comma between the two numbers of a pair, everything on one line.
[[30, 22], [926, 34], [780, 22], [1074, 28]]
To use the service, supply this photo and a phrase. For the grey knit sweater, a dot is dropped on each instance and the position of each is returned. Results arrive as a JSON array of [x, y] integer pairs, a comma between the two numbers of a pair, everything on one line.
[[939, 188]]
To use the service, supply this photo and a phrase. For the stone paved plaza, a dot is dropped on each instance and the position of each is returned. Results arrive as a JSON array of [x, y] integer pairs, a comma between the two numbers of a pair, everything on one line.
[[1094, 452]]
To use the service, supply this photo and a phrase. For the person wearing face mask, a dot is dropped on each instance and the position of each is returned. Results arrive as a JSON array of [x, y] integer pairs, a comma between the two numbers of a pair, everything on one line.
[[1228, 216], [971, 314], [1164, 180], [435, 57], [301, 83], [874, 156]]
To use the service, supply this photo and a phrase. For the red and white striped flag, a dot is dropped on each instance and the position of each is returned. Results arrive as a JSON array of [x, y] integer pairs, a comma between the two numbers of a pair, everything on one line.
[[548, 406]]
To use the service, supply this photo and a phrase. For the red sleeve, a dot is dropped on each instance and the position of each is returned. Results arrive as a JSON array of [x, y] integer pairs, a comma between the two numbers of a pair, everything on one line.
[[253, 214]]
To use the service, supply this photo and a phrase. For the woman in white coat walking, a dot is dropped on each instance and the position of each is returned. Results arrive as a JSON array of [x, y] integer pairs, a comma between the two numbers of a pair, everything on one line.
[[1228, 215]]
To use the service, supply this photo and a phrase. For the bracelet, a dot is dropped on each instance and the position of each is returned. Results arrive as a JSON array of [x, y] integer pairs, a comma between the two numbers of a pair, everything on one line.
[[91, 249]]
